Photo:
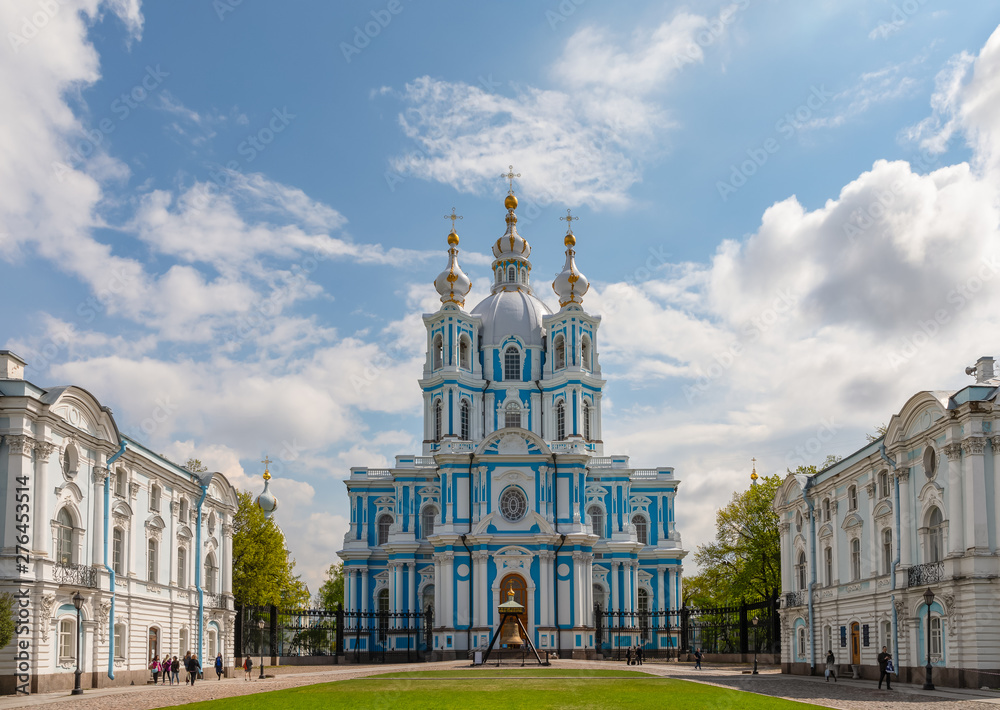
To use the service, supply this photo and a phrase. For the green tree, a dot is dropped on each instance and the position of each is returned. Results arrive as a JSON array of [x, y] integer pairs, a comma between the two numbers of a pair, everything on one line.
[[195, 466], [331, 592], [6, 619], [263, 571], [744, 560], [880, 431]]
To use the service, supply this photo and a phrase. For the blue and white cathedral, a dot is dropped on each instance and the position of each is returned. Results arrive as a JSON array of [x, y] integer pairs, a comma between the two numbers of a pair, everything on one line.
[[513, 490]]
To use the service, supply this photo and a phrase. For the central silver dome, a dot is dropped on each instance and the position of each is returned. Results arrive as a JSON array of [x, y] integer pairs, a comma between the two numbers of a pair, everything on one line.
[[514, 312]]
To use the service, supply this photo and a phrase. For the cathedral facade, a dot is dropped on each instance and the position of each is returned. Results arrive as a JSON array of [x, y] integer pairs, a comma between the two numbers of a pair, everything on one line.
[[513, 490]]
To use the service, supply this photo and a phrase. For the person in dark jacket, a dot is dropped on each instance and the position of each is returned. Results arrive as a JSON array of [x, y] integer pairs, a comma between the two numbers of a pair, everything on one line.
[[697, 658], [883, 661], [218, 666], [193, 668], [628, 656]]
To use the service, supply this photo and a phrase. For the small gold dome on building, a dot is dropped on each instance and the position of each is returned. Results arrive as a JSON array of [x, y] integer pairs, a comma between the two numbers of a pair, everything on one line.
[[510, 202], [570, 240], [453, 237]]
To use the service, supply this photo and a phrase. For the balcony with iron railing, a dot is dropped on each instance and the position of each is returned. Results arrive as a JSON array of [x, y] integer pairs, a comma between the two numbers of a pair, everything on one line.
[[75, 575], [800, 598], [929, 573], [216, 601]]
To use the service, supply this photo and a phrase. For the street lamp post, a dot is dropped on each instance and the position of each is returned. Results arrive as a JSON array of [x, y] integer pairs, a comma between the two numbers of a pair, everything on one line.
[[928, 600], [756, 620], [78, 603], [260, 625]]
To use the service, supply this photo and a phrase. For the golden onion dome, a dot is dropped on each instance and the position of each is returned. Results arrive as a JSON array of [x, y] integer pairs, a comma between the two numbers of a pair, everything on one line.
[[510, 202], [453, 237], [570, 240]]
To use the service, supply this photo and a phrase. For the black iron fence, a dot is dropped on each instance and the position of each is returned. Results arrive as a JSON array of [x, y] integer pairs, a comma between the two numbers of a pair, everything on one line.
[[360, 637], [750, 627]]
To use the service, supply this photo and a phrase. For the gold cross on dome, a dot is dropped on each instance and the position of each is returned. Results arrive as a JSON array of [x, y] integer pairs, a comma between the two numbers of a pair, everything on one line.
[[453, 217], [510, 175], [568, 219], [267, 462]]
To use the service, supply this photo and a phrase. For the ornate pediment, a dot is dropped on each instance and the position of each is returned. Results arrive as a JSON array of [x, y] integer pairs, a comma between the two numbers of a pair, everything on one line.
[[883, 509], [852, 521], [513, 442], [512, 559], [640, 504], [825, 531]]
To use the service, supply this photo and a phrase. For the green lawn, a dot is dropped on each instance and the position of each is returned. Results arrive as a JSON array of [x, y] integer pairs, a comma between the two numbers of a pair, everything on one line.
[[508, 689]]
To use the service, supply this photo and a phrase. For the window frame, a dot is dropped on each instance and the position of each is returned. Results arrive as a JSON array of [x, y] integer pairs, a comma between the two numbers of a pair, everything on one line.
[[559, 352], [596, 524], [438, 419], [181, 566], [587, 426], [561, 420], [382, 535], [512, 358], [464, 420], [437, 352], [828, 564], [886, 550], [64, 536], [852, 498], [118, 550], [935, 535], [642, 524], [936, 632], [66, 647], [152, 561], [121, 641], [512, 415], [429, 513], [855, 547]]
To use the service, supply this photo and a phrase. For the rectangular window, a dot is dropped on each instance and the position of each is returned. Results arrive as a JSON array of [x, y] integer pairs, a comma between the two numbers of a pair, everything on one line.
[[852, 498], [936, 640], [181, 567], [855, 560], [118, 552], [67, 640], [120, 641], [151, 559], [120, 483], [886, 551], [154, 498], [883, 484], [828, 559]]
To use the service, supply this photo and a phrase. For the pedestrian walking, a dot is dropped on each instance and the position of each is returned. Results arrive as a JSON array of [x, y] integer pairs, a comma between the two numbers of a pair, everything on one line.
[[884, 659], [218, 666], [247, 667], [628, 656], [187, 667], [165, 670], [697, 659], [155, 667], [194, 668], [639, 653], [831, 666], [175, 671]]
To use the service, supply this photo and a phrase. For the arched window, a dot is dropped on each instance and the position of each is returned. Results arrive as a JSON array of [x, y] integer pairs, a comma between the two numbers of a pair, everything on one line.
[[181, 567], [118, 551], [184, 641], [596, 520], [798, 521], [121, 641], [438, 350], [464, 353], [800, 571], [641, 529], [152, 559], [121, 481], [464, 419], [855, 559], [212, 637], [586, 421], [383, 601], [383, 529], [427, 599], [585, 353], [887, 551], [828, 563], [511, 274], [67, 640], [560, 421], [801, 636], [511, 364], [427, 518], [211, 575], [71, 460], [437, 420], [935, 535], [643, 606], [512, 415], [64, 538], [852, 498], [559, 345]]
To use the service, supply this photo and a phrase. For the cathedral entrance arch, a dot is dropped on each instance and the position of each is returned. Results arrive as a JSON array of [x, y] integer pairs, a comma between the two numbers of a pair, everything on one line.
[[516, 583]]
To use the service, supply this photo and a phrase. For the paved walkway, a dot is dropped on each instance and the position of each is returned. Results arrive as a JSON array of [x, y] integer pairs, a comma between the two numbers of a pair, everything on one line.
[[845, 694]]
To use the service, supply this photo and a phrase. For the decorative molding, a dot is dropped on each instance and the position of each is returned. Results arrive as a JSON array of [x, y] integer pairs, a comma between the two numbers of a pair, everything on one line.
[[995, 443], [48, 603], [102, 619], [953, 452], [903, 474], [870, 488], [227, 530], [20, 444], [974, 446], [43, 450], [134, 489], [99, 475]]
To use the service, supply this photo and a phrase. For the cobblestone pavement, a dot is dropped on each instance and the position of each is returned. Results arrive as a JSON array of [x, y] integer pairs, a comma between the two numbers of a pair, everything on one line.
[[845, 694]]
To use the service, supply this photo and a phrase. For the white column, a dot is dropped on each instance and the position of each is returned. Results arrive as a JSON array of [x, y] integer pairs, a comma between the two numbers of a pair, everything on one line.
[[18, 465], [976, 534], [364, 590], [995, 441], [906, 522], [414, 579], [661, 588], [348, 588], [227, 549], [786, 562], [835, 525], [393, 587], [614, 604], [39, 501], [544, 582], [438, 596], [956, 531], [97, 526]]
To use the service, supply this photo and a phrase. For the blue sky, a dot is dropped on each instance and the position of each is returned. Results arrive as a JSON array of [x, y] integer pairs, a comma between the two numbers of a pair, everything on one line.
[[778, 204]]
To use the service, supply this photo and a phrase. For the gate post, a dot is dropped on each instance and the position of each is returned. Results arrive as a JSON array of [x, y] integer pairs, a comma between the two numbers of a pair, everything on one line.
[[744, 629], [338, 649], [238, 649], [684, 630], [274, 635]]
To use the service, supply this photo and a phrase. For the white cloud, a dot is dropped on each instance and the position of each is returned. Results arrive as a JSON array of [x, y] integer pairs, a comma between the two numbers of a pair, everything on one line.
[[583, 142]]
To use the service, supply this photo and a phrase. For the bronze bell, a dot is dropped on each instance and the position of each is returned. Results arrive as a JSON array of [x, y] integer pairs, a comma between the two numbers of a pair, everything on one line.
[[510, 635]]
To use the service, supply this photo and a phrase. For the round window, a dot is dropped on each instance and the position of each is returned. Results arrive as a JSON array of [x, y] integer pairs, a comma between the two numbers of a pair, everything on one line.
[[930, 462], [513, 505]]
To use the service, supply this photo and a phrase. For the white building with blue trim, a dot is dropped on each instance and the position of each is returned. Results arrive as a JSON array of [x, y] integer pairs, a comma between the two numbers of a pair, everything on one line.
[[88, 510], [864, 539], [513, 489]]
